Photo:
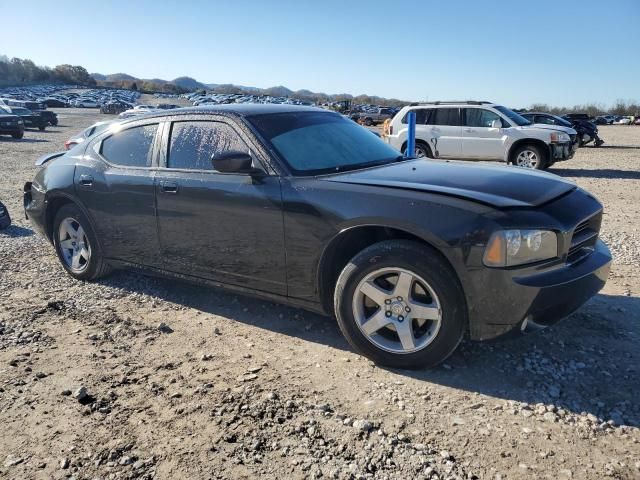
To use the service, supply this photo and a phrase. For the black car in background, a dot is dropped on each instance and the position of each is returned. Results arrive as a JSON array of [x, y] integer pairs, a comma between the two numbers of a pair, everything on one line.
[[55, 102], [30, 119], [586, 131], [49, 116], [10, 124], [303, 206]]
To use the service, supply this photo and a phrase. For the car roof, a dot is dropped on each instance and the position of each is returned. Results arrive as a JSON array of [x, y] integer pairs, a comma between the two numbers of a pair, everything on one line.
[[241, 109]]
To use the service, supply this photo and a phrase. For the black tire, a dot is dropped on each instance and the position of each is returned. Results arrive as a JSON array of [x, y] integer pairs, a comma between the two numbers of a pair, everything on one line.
[[368, 122], [96, 267], [421, 147], [428, 264], [580, 140], [17, 136], [542, 162], [42, 128]]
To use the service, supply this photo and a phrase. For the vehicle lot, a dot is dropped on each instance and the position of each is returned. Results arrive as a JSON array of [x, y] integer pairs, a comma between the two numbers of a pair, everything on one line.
[[232, 387]]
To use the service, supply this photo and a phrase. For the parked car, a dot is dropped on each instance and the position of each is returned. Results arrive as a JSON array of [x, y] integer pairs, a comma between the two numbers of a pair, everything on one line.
[[54, 102], [85, 103], [5, 218], [50, 117], [586, 131], [30, 119], [600, 120], [303, 206], [621, 120], [480, 131], [11, 124], [376, 116], [87, 133]]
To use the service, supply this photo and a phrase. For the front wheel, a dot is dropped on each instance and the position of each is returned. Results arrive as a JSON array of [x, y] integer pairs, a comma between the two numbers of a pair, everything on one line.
[[76, 244], [17, 136], [529, 156], [399, 303], [41, 128]]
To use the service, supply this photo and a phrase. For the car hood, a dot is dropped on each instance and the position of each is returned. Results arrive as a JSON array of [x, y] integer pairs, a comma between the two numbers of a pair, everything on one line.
[[544, 126], [497, 186]]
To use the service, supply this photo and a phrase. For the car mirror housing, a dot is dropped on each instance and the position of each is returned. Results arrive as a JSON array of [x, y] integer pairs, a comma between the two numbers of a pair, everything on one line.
[[496, 124], [233, 161]]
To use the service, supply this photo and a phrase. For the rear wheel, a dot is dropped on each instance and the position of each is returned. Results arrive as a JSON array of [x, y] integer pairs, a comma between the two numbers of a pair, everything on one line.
[[368, 122], [42, 128], [529, 156], [17, 136], [76, 244], [399, 303]]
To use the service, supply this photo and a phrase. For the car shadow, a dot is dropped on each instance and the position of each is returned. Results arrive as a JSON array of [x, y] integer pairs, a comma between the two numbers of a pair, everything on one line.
[[618, 147], [586, 363], [16, 231], [24, 139], [596, 173]]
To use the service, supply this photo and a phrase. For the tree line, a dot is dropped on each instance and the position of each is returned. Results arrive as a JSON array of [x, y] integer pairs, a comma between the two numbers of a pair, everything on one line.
[[19, 71]]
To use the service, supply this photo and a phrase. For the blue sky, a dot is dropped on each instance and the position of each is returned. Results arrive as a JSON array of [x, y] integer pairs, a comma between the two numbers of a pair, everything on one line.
[[561, 52]]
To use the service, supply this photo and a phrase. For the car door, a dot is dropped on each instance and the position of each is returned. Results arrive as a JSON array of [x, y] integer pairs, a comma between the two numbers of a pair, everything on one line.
[[481, 139], [225, 227], [115, 184], [445, 132]]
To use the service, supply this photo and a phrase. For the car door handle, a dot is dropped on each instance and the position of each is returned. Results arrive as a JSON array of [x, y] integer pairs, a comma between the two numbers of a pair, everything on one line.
[[169, 187], [469, 130], [86, 180]]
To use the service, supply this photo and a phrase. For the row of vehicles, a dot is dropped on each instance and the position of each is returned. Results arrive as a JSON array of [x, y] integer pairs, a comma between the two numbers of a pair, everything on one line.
[[14, 120], [303, 206]]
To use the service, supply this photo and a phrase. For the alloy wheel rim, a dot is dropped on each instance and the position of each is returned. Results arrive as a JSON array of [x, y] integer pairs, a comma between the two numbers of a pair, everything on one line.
[[420, 153], [397, 310], [527, 159], [74, 245]]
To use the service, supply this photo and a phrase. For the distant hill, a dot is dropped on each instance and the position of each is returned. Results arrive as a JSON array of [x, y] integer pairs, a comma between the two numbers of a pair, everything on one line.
[[189, 84]]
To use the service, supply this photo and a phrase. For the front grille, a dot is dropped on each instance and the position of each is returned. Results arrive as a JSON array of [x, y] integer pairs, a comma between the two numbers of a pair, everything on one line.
[[584, 238]]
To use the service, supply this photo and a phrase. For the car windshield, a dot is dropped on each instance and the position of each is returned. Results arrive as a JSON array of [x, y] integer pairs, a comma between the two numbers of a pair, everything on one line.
[[562, 121], [513, 116], [315, 143]]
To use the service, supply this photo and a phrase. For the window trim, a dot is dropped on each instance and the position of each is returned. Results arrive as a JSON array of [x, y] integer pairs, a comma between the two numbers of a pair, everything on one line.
[[463, 117], [97, 146]]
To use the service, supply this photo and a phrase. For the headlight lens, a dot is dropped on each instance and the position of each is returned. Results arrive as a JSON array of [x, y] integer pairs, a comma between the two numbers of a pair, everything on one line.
[[559, 137], [507, 248], [20, 121]]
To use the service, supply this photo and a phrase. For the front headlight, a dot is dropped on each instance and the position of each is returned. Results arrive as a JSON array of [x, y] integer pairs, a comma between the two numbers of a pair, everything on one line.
[[507, 248], [559, 137], [20, 122]]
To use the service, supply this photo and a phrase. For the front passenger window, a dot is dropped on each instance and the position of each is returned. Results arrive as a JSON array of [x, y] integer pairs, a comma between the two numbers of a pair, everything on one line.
[[131, 147], [194, 143], [479, 117]]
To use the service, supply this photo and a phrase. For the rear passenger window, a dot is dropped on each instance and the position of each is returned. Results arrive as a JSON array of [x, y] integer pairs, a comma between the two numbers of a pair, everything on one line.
[[194, 143], [422, 116], [446, 116], [131, 147]]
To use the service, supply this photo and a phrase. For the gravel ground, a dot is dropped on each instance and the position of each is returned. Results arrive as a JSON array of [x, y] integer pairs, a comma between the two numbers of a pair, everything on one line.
[[134, 377]]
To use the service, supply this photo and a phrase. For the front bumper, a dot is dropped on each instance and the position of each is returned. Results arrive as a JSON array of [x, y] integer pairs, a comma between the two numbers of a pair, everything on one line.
[[562, 151], [6, 129], [513, 302]]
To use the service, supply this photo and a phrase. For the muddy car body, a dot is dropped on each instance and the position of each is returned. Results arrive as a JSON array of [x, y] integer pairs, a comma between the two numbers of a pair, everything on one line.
[[304, 207]]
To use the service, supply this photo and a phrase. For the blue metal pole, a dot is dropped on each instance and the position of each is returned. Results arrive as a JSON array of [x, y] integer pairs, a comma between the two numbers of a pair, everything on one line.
[[411, 135]]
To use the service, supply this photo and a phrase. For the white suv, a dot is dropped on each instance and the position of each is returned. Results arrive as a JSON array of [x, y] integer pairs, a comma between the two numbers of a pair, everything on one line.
[[481, 131]]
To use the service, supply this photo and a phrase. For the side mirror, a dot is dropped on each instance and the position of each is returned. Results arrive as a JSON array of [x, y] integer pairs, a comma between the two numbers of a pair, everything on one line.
[[496, 124], [233, 161]]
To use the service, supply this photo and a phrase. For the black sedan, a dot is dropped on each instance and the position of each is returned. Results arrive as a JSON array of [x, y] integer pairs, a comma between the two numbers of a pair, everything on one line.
[[30, 119], [586, 131], [10, 124], [305, 207]]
